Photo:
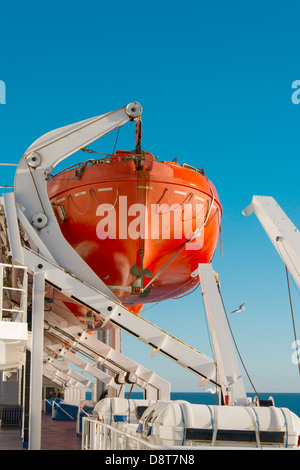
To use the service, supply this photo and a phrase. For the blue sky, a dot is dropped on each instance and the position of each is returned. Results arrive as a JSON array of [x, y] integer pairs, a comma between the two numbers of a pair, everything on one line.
[[214, 80]]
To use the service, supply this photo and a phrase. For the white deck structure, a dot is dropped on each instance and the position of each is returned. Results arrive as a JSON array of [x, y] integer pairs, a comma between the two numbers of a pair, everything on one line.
[[40, 272]]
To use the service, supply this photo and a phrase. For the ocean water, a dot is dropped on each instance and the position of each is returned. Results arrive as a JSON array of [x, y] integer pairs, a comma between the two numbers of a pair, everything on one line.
[[281, 400]]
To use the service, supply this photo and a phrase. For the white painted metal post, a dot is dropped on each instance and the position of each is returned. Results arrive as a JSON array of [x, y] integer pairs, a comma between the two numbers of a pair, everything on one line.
[[114, 341], [284, 235], [100, 386], [36, 367], [227, 365]]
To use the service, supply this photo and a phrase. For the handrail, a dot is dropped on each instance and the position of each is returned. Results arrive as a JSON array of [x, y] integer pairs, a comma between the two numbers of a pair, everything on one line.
[[97, 435]]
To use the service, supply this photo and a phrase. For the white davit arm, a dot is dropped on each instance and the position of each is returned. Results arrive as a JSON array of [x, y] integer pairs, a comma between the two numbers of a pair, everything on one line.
[[30, 187], [282, 232]]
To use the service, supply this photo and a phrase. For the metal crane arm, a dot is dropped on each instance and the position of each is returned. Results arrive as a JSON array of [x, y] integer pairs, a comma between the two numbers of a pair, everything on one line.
[[30, 187], [282, 232]]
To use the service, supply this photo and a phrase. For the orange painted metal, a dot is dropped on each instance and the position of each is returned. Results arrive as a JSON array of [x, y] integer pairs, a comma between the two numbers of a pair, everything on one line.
[[117, 214]]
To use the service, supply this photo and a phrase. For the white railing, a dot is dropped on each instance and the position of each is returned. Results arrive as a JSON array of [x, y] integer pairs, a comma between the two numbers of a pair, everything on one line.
[[99, 436]]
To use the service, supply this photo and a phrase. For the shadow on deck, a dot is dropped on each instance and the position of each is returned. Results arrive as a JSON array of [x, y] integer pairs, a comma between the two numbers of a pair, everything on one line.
[[56, 435]]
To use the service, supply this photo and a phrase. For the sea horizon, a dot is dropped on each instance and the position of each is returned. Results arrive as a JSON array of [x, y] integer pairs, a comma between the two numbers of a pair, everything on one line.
[[290, 400]]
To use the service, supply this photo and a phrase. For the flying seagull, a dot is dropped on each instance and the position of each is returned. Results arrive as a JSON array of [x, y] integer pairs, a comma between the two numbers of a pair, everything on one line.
[[240, 309]]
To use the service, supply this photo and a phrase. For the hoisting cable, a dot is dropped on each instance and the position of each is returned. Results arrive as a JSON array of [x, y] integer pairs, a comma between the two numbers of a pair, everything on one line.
[[279, 239], [237, 349], [138, 148], [292, 313], [211, 347], [116, 140]]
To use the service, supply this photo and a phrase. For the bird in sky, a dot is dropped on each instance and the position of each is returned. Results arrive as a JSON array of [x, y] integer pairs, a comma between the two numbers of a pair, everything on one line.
[[240, 309]]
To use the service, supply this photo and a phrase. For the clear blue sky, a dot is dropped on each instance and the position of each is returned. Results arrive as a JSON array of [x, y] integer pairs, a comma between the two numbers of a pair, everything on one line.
[[214, 79]]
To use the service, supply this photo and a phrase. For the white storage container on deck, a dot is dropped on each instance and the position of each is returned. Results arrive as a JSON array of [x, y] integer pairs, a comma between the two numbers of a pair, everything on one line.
[[120, 410], [181, 423]]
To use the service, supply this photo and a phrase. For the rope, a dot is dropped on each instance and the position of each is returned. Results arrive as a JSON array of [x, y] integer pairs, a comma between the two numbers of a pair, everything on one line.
[[91, 192], [196, 233], [188, 197], [116, 140], [72, 203], [237, 346], [201, 210], [117, 193], [289, 290], [292, 313], [278, 239]]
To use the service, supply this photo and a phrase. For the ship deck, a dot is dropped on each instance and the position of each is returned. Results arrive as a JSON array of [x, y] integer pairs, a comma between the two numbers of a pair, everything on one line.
[[55, 435]]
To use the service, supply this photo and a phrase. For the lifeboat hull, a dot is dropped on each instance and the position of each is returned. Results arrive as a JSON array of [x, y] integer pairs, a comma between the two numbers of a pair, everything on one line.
[[135, 226]]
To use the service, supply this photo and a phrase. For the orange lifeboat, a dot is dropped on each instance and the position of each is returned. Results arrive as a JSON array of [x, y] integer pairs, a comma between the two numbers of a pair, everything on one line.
[[141, 224]]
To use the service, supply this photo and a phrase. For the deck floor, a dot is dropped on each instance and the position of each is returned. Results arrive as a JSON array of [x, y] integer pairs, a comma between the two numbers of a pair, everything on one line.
[[56, 435]]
